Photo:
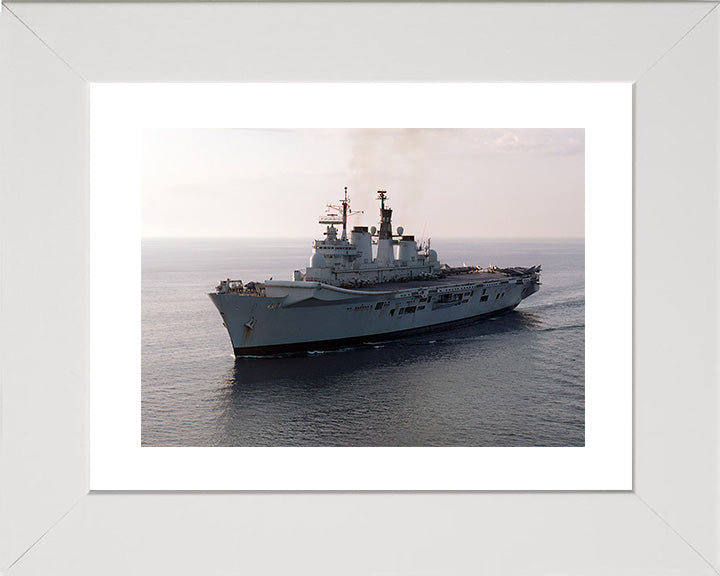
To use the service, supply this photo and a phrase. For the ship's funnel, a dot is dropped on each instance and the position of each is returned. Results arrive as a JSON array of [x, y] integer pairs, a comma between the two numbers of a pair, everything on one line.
[[360, 238], [407, 250], [385, 255]]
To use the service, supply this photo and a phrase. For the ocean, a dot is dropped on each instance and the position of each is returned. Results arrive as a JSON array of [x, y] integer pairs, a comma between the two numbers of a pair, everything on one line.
[[512, 380]]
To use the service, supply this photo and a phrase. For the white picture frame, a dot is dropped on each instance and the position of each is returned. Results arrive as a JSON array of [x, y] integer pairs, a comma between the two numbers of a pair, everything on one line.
[[668, 524]]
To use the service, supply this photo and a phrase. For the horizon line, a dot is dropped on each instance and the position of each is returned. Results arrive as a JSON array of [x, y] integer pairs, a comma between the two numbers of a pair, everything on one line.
[[519, 238]]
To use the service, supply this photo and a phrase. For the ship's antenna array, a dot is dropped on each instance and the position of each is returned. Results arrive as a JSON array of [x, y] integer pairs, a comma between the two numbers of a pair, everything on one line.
[[340, 214], [385, 232]]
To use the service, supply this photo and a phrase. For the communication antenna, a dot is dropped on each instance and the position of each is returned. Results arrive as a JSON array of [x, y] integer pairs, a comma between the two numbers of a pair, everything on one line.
[[339, 214], [422, 238]]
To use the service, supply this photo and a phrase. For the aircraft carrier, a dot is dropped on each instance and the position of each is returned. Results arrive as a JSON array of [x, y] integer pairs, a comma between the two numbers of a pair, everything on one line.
[[372, 286]]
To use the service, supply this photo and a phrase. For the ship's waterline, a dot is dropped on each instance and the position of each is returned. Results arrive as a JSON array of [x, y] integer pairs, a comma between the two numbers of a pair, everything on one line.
[[347, 296]]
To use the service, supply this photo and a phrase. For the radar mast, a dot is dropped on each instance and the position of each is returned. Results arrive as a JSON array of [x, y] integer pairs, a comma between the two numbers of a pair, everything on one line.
[[339, 214], [385, 232]]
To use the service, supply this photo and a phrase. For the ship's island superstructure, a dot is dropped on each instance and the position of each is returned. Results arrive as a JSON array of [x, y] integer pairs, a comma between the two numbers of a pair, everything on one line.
[[351, 293]]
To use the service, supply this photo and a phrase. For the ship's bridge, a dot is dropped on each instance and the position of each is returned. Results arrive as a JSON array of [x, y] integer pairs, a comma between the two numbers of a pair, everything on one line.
[[337, 251]]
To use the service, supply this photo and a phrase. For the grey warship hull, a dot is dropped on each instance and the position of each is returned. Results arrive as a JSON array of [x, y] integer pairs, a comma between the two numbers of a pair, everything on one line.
[[301, 316]]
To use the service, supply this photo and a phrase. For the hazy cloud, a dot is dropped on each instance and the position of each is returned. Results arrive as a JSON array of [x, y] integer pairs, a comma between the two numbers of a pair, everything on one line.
[[454, 183]]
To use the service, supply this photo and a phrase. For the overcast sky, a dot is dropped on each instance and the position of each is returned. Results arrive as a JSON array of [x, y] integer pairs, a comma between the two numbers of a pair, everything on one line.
[[450, 183]]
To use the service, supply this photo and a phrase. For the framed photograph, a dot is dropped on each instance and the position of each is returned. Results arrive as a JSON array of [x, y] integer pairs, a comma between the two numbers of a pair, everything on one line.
[[62, 327], [571, 189]]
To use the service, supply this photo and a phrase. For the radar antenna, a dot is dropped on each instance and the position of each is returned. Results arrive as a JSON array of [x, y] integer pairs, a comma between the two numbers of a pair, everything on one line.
[[339, 214], [385, 232]]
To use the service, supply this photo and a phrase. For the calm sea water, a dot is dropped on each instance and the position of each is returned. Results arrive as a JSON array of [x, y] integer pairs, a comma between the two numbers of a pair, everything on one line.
[[514, 380]]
